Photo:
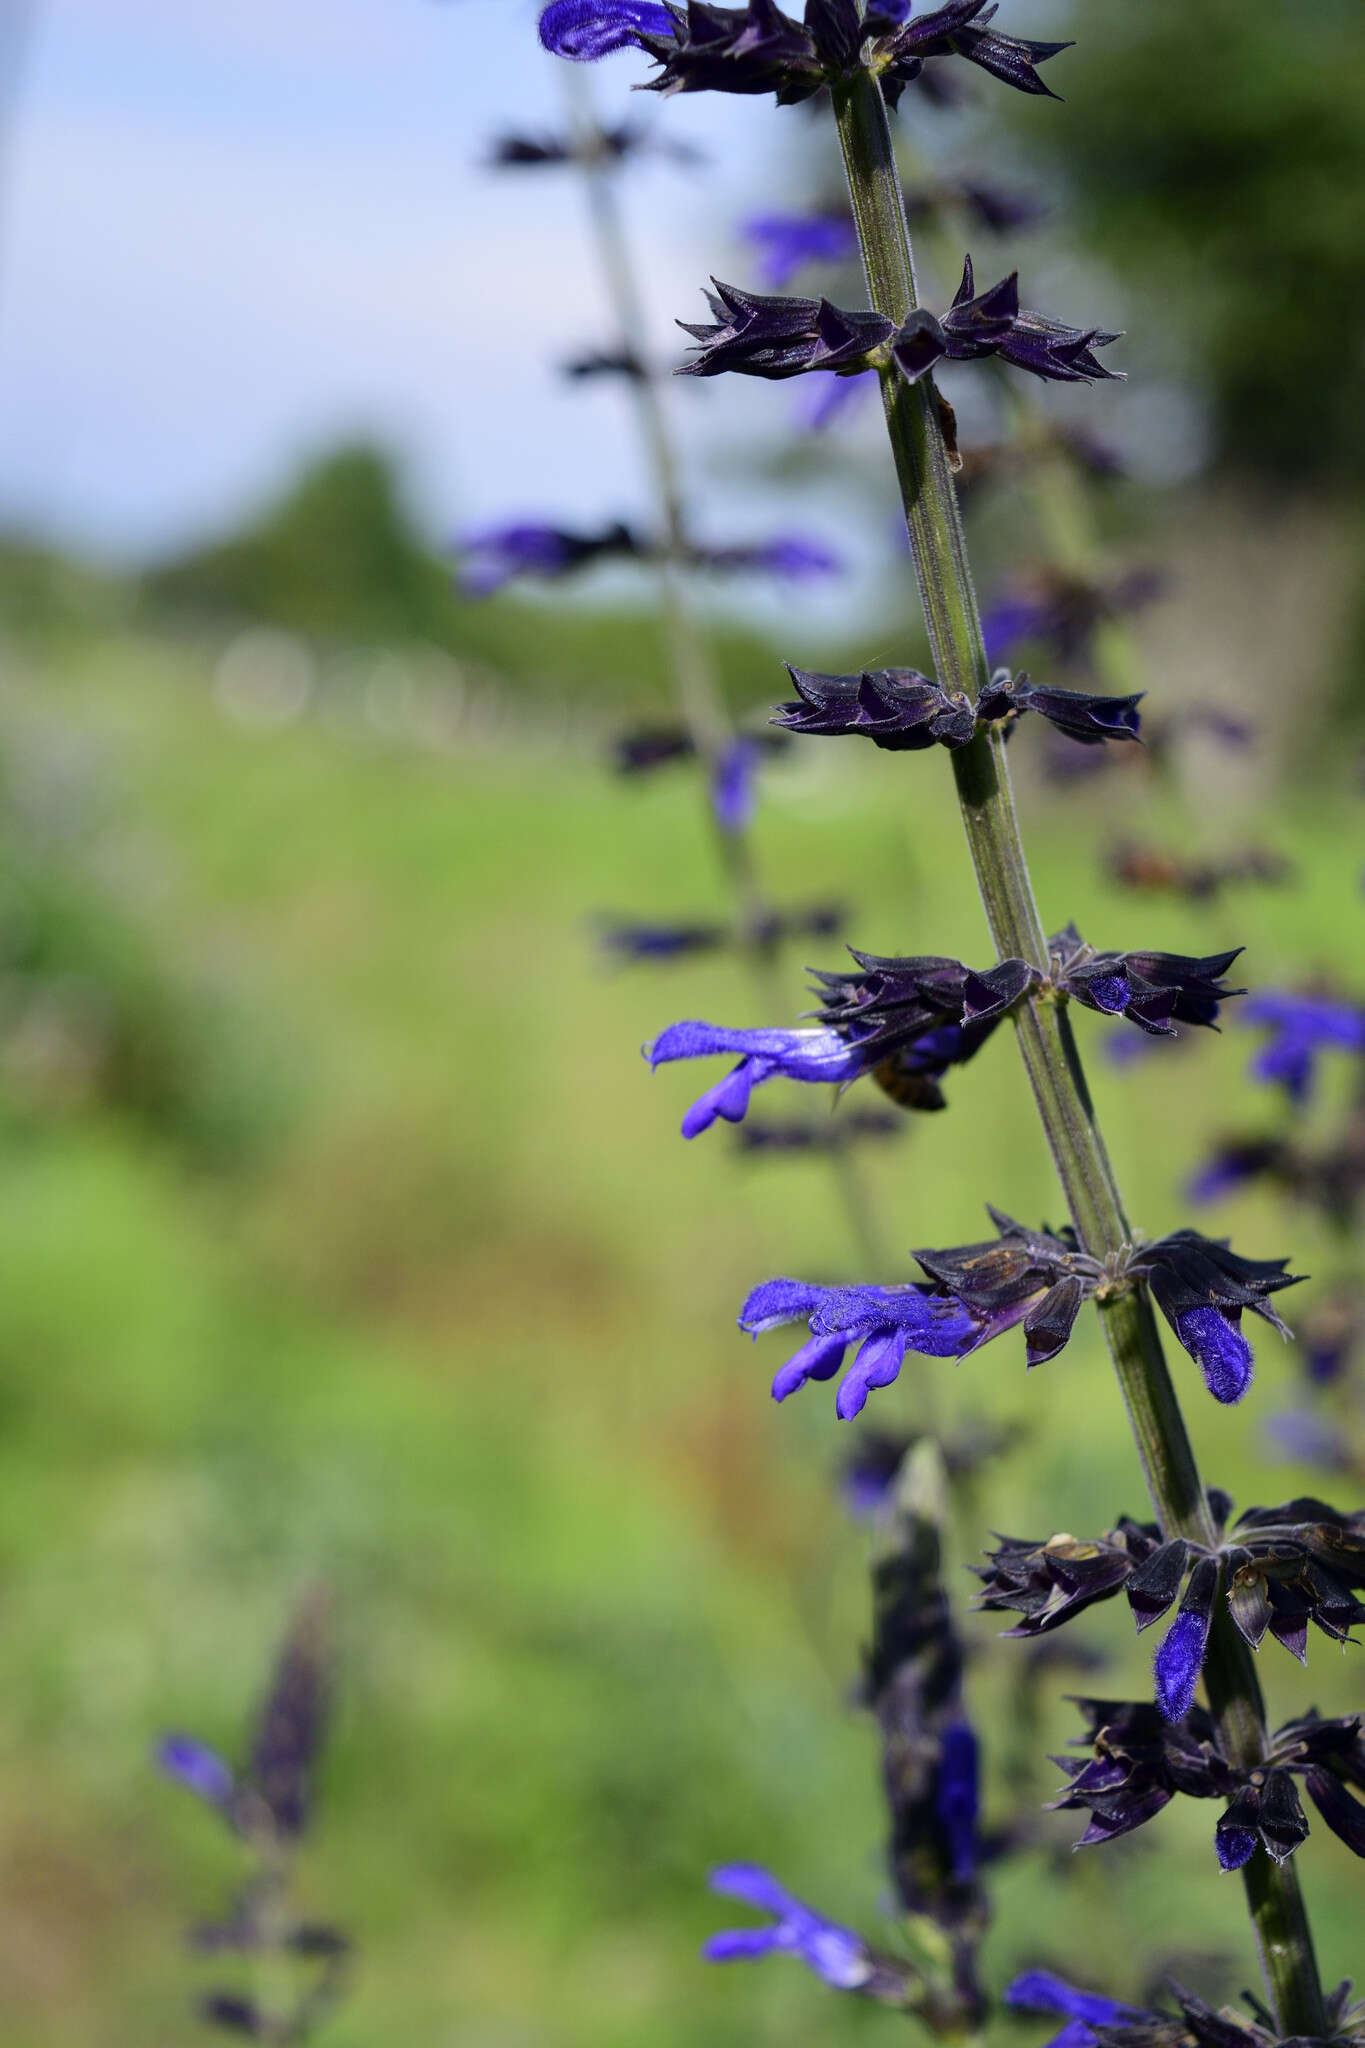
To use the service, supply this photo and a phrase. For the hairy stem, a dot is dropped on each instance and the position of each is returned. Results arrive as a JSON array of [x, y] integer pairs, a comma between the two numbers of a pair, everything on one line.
[[1044, 1032]]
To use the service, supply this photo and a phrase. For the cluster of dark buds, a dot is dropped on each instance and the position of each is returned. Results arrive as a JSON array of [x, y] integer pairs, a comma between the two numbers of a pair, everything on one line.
[[757, 49], [1039, 1280], [1094, 2021], [606, 362], [903, 711], [1139, 1761], [1153, 871], [1062, 612], [630, 942], [268, 1804], [758, 335], [1298, 1028], [1155, 991], [1033, 1278], [612, 145], [643, 748], [787, 242], [907, 1020], [1278, 1569], [493, 556]]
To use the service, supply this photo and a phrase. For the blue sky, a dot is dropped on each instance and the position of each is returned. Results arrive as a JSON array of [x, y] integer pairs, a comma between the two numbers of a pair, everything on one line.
[[237, 229], [234, 231]]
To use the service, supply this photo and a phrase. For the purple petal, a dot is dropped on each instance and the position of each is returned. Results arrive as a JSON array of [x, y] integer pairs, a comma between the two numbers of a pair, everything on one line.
[[741, 1945], [733, 796], [835, 1955], [818, 1359], [1178, 1663], [877, 1365], [585, 30], [728, 1098], [774, 1302], [197, 1767], [1040, 1991], [752, 1885], [815, 1054], [1214, 1340], [1235, 1846]]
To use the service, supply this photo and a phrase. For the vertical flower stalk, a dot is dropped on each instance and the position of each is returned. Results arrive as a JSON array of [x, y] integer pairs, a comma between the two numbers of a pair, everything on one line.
[[696, 686], [1046, 1042], [695, 682]]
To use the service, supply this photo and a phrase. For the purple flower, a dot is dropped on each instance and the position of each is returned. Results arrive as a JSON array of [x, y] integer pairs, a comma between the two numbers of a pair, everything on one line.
[[733, 796], [1300, 1027], [493, 555], [796, 555], [1304, 1439], [787, 241], [756, 48], [1062, 611], [992, 323], [829, 398], [585, 30], [1235, 1162], [760, 335], [902, 710], [660, 941], [797, 1055], [1040, 1991], [958, 1798], [1080, 714], [1040, 1279], [884, 1322], [1180, 1658], [199, 1769], [1213, 1337], [868, 1476], [832, 1952], [1201, 1287], [1155, 991], [896, 708], [955, 29]]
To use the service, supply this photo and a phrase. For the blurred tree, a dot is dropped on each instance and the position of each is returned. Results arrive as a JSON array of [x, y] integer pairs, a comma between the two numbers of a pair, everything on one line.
[[341, 559], [337, 556], [1222, 150]]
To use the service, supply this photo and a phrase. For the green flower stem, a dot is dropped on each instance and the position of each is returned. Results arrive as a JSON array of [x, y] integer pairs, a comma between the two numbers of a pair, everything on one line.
[[700, 701], [1049, 1050]]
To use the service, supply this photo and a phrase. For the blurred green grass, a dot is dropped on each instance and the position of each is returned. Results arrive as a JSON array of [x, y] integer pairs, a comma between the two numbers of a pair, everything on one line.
[[455, 1331]]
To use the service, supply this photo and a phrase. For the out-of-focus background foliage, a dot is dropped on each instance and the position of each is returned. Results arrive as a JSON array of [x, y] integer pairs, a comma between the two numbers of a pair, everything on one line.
[[343, 1233]]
